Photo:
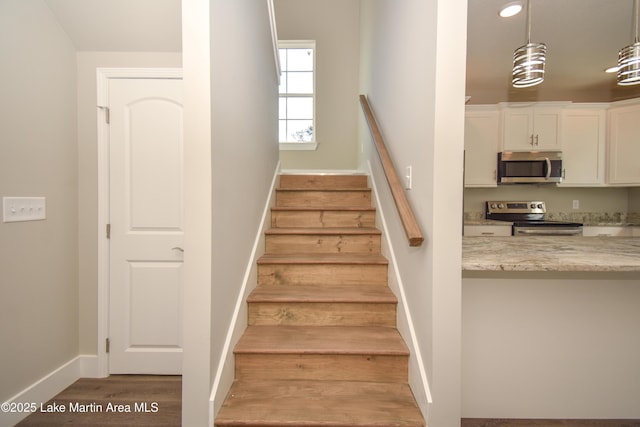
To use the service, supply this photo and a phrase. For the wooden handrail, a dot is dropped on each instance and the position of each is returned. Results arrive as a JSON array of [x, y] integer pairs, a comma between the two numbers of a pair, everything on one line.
[[407, 216]]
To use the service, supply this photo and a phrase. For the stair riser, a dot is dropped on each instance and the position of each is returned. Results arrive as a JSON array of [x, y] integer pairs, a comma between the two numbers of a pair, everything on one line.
[[311, 274], [323, 181], [295, 244], [322, 314], [322, 367], [320, 218], [323, 199]]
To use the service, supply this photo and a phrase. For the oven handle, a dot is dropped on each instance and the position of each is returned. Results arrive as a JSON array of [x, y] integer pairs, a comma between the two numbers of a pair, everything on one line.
[[549, 232], [548, 167]]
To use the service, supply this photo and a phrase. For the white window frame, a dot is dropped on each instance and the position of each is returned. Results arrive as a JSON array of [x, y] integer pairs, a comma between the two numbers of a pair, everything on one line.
[[306, 44]]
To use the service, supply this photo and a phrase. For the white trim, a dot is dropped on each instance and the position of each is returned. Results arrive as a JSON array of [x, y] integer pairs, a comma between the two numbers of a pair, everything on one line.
[[82, 366], [298, 146], [226, 356], [274, 38], [102, 76], [417, 361]]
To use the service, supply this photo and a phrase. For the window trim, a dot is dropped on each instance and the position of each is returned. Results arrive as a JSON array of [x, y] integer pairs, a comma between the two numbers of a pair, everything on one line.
[[307, 145]]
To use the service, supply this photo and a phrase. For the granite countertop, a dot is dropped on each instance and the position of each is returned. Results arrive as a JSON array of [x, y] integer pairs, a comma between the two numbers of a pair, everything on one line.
[[551, 253]]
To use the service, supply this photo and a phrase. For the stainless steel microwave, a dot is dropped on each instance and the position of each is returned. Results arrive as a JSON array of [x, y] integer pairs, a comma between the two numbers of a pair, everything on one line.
[[529, 167]]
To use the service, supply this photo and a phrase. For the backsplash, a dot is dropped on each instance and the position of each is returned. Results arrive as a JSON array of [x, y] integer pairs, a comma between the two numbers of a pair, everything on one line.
[[598, 206], [589, 218]]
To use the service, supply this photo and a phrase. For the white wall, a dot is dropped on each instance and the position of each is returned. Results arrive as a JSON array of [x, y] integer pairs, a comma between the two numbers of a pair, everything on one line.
[[244, 152], [412, 69], [38, 157], [334, 25], [196, 362], [551, 345]]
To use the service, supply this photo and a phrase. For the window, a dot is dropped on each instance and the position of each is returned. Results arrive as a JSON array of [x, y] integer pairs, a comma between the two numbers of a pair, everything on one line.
[[297, 91]]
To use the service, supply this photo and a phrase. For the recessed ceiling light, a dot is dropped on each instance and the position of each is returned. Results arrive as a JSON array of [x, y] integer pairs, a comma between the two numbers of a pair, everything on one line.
[[511, 9]]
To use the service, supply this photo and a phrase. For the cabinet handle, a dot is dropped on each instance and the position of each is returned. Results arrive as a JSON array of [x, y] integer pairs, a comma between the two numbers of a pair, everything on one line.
[[531, 143], [564, 174], [536, 140], [487, 233]]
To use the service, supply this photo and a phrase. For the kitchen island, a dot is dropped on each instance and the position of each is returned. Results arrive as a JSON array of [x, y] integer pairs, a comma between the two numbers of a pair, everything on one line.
[[551, 327], [551, 253]]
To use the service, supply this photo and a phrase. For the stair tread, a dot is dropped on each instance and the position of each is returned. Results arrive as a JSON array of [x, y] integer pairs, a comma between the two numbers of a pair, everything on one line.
[[323, 293], [323, 231], [300, 403], [280, 339], [320, 258]]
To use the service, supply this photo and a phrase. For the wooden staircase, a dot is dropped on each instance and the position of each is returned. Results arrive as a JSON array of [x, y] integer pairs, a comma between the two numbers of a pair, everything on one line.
[[321, 348]]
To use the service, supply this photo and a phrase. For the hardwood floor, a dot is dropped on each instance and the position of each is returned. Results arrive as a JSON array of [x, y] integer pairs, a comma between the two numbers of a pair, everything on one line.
[[123, 400]]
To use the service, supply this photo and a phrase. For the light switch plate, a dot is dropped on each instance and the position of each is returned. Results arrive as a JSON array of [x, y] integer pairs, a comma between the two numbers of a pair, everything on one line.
[[23, 209]]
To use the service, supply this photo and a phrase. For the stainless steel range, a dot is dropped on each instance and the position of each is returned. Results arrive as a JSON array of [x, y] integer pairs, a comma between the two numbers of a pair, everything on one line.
[[528, 219]]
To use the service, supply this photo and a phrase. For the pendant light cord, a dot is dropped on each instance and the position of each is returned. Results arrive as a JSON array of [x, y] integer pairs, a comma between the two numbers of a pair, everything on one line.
[[529, 21], [635, 20]]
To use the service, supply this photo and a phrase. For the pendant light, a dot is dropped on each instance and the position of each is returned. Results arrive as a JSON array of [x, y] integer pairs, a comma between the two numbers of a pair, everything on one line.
[[529, 60], [629, 56]]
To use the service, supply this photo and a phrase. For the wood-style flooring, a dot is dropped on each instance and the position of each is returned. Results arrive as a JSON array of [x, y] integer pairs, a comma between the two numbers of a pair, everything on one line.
[[119, 400]]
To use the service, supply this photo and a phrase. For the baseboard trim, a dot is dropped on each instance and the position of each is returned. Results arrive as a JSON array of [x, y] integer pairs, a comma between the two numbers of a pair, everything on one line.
[[225, 370], [82, 366], [418, 381]]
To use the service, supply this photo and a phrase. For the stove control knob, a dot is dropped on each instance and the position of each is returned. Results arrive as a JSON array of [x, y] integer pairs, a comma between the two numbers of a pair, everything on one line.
[[539, 205], [533, 205], [501, 206], [493, 205]]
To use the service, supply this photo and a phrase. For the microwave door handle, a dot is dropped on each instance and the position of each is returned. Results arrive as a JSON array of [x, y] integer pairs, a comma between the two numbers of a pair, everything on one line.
[[548, 167]]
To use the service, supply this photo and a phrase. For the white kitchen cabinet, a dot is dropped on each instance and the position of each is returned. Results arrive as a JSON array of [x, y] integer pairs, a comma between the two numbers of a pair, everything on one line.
[[607, 230], [583, 135], [531, 127], [481, 144], [487, 230], [623, 148]]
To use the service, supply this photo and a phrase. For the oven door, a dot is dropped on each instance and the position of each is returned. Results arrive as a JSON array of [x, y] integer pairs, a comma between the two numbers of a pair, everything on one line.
[[539, 167]]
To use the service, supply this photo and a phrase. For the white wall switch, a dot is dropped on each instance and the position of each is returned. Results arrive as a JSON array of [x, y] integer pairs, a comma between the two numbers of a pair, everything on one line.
[[576, 204], [23, 209], [409, 178]]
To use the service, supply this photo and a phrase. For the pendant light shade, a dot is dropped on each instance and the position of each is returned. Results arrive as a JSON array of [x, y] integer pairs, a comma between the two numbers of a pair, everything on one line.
[[529, 60], [629, 57]]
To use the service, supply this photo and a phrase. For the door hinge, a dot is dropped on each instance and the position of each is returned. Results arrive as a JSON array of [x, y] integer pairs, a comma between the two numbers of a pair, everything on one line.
[[108, 231], [107, 113], [108, 345]]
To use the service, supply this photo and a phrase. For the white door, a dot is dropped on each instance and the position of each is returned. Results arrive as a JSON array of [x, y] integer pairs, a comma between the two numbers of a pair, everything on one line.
[[146, 216]]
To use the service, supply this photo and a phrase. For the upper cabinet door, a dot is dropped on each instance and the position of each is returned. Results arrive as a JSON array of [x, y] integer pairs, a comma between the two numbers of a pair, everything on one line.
[[624, 144], [481, 136], [583, 146], [531, 128]]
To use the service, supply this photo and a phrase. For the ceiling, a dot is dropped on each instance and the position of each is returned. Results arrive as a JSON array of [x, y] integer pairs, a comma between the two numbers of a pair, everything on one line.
[[121, 25], [583, 38]]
